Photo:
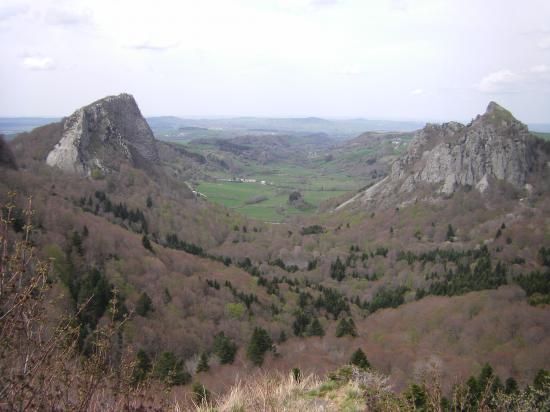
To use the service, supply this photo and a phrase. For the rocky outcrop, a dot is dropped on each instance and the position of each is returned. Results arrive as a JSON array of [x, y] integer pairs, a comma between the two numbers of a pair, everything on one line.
[[494, 146], [100, 136]]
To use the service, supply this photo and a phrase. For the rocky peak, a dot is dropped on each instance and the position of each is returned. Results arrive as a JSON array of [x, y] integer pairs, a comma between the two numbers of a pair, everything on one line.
[[494, 146], [102, 135]]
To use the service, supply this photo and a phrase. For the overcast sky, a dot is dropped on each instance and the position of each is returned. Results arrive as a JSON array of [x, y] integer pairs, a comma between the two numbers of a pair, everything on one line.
[[385, 59]]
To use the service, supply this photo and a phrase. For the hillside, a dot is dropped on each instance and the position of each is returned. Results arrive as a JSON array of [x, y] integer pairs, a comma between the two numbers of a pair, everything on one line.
[[408, 276]]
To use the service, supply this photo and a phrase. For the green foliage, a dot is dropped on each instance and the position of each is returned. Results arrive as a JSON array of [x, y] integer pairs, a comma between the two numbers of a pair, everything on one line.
[[297, 374], [235, 310], [537, 287], [542, 379], [386, 298], [315, 328], [146, 243], [200, 393], [301, 322], [417, 395], [359, 359], [144, 304], [142, 367], [97, 174], [170, 370], [312, 230], [332, 301], [544, 256], [149, 202], [450, 236], [224, 348], [260, 343], [346, 327], [337, 270], [203, 366]]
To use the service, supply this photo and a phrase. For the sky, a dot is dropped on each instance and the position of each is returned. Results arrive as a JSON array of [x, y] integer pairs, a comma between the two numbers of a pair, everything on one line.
[[377, 59]]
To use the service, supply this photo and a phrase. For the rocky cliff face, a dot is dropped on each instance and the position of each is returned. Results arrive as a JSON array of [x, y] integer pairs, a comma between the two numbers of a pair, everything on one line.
[[103, 134], [494, 146]]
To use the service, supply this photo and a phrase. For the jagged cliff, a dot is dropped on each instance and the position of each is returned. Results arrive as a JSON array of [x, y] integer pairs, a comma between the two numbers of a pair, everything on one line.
[[494, 146], [103, 134]]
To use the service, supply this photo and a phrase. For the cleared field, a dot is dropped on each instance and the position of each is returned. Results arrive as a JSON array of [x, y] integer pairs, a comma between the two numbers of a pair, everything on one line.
[[275, 208]]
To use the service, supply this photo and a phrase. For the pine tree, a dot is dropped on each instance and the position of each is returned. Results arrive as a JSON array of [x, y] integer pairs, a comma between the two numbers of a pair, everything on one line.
[[203, 363], [260, 343], [144, 304], [149, 202], [315, 328], [359, 359], [450, 233], [170, 370], [142, 367], [146, 243], [224, 348], [511, 386], [346, 327]]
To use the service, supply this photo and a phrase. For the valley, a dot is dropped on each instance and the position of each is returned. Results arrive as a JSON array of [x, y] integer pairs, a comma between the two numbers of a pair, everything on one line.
[[427, 250]]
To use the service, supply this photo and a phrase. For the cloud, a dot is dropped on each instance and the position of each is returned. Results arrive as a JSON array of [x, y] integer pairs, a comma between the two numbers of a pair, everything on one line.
[[38, 63], [9, 11], [350, 70], [152, 45], [64, 17], [417, 92], [540, 69], [544, 43], [501, 81], [324, 2]]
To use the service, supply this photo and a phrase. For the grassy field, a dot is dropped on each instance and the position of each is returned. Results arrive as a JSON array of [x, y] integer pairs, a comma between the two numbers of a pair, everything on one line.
[[274, 209]]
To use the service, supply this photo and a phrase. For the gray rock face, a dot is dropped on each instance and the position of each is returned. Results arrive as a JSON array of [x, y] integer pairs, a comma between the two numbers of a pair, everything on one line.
[[103, 134], [494, 146]]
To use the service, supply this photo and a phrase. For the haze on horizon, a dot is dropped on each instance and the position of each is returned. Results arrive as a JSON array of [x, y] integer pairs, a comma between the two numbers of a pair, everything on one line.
[[385, 59]]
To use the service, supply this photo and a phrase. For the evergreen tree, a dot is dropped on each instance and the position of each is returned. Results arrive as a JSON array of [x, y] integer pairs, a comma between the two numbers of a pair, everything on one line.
[[418, 396], [260, 343], [346, 327], [224, 348], [203, 363], [511, 386], [170, 370], [149, 202], [359, 359], [315, 328], [141, 368], [337, 270], [450, 233], [144, 304], [146, 243], [301, 322]]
